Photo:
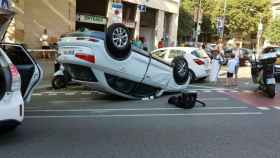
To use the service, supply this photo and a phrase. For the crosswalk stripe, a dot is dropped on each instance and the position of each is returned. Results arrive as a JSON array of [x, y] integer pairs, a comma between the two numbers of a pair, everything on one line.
[[263, 108]]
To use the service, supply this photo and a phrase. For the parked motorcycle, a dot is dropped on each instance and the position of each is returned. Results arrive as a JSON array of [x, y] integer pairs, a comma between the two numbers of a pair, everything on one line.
[[262, 71]]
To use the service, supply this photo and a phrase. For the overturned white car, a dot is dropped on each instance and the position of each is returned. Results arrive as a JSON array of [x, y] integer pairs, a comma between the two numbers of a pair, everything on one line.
[[107, 62]]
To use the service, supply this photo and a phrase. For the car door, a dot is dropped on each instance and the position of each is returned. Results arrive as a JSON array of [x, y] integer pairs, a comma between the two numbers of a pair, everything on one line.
[[159, 71], [30, 72]]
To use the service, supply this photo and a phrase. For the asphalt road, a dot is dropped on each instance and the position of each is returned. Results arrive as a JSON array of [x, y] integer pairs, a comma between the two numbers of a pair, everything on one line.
[[81, 124]]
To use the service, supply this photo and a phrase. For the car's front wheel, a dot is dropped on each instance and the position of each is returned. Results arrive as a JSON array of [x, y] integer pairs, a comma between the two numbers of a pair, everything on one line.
[[181, 72]]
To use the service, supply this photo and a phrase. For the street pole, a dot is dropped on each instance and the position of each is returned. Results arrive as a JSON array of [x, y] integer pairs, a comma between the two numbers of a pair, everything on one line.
[[259, 35], [224, 18], [198, 23]]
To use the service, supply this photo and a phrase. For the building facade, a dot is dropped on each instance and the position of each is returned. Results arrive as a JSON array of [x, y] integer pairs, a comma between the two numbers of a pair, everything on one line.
[[151, 20], [275, 8]]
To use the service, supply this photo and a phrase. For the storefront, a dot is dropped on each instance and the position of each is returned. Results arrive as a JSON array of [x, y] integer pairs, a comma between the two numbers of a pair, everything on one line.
[[152, 19], [147, 28], [92, 17]]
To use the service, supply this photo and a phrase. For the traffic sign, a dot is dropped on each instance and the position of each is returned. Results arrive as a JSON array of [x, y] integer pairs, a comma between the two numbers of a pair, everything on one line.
[[142, 8]]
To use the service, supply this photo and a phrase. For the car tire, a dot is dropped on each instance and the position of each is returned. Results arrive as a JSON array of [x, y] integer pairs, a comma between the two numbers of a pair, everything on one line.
[[58, 82], [181, 70], [270, 90], [192, 76], [117, 41]]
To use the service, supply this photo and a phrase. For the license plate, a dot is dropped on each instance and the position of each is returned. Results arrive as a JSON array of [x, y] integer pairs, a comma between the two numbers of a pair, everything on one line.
[[68, 52], [271, 81]]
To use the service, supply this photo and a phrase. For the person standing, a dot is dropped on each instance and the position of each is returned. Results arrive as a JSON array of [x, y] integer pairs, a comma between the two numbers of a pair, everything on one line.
[[45, 44], [215, 65], [160, 43], [236, 53], [231, 66]]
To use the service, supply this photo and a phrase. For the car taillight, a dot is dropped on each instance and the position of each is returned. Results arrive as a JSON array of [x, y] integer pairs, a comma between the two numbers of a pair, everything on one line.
[[198, 61], [86, 57], [16, 83]]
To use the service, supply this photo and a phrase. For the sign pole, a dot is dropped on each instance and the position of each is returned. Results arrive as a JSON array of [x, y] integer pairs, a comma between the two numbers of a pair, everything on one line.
[[198, 28]]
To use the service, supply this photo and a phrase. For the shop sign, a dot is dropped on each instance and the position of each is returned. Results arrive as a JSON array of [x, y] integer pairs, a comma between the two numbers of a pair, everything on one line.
[[93, 19], [117, 12], [129, 24]]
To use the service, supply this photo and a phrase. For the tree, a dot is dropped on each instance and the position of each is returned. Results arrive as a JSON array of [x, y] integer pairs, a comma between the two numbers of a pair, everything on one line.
[[243, 16], [272, 32], [186, 23]]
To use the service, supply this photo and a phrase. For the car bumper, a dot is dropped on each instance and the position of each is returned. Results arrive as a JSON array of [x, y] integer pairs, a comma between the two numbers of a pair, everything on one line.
[[202, 73], [12, 108]]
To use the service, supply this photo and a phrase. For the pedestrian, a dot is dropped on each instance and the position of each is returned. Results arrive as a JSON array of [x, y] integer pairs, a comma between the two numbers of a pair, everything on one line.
[[138, 43], [161, 43], [215, 65], [236, 52], [45, 44], [231, 66]]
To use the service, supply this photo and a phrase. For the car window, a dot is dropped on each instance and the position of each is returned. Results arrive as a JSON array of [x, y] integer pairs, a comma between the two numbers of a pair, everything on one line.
[[159, 54], [17, 55], [199, 53], [174, 53]]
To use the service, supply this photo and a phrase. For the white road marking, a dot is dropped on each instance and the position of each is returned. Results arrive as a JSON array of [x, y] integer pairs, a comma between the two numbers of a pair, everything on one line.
[[234, 91], [214, 99], [86, 93], [247, 91], [206, 91], [263, 108], [277, 107], [135, 109], [37, 94], [52, 94], [209, 87], [145, 115], [70, 93]]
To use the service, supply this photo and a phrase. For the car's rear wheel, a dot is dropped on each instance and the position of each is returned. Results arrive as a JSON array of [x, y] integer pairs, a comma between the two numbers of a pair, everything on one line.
[[180, 70], [117, 41], [192, 76]]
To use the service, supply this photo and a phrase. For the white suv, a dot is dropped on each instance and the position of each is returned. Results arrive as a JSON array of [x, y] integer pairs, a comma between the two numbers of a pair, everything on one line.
[[19, 74]]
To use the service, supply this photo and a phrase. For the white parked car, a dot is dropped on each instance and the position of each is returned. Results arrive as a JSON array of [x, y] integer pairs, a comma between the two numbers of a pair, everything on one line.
[[199, 61], [107, 62], [19, 74]]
